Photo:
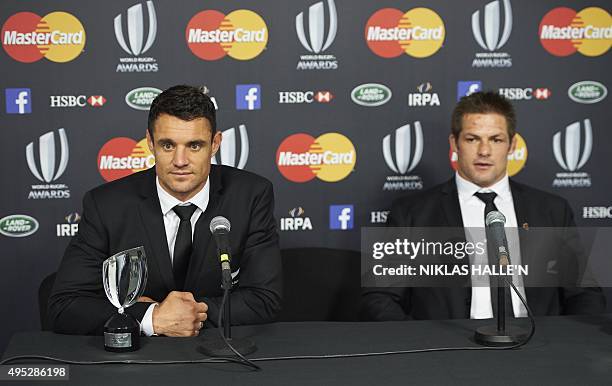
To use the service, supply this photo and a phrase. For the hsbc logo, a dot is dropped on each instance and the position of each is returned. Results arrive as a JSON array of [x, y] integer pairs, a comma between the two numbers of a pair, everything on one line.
[[76, 100], [525, 94], [379, 216], [408, 152], [229, 148], [293, 97], [577, 146], [597, 212]]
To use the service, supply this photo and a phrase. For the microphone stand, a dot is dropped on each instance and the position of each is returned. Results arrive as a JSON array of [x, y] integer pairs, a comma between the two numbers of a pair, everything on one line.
[[226, 346], [500, 335]]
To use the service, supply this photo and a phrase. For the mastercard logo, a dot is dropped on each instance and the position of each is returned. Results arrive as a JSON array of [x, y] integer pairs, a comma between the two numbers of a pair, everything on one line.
[[211, 35], [330, 157], [564, 31], [419, 32], [58, 36], [516, 160], [123, 156]]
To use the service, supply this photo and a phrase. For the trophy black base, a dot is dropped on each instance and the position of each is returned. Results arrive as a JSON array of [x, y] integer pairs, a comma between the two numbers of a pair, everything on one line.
[[122, 333], [216, 347], [491, 336]]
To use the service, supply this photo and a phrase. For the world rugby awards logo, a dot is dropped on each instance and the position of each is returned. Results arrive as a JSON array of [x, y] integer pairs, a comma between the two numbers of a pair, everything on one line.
[[46, 170], [491, 40], [229, 146], [135, 44], [408, 153], [576, 154], [317, 42]]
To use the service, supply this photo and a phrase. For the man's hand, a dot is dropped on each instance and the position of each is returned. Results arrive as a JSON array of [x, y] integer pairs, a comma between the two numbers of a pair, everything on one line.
[[179, 315]]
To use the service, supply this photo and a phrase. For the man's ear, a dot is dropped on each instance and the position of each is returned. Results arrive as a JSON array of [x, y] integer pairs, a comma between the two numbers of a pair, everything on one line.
[[216, 142], [150, 142], [452, 141], [512, 144]]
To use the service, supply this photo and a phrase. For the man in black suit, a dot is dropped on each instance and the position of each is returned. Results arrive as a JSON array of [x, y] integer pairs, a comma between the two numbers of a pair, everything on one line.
[[168, 209], [483, 135]]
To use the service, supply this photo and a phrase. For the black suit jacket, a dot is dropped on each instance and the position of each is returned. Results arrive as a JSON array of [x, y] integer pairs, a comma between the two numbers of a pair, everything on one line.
[[439, 207], [126, 213]]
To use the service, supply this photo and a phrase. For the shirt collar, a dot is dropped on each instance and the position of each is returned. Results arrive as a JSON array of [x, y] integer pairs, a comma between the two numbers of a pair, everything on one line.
[[466, 189], [167, 201]]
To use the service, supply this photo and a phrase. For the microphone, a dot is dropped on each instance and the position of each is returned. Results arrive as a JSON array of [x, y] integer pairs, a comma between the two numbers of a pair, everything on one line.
[[220, 227], [495, 222]]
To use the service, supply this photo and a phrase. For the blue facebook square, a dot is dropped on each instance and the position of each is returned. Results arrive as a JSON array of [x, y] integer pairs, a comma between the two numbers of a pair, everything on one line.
[[341, 217], [467, 87], [248, 97], [18, 100]]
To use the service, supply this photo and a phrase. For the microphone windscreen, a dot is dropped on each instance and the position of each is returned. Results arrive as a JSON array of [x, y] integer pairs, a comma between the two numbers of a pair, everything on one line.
[[219, 223], [495, 216]]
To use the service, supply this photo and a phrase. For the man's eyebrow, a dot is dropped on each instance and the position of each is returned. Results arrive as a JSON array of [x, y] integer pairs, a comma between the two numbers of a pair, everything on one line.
[[166, 140]]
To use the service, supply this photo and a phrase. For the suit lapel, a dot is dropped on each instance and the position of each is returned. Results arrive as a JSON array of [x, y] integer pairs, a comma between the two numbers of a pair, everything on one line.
[[450, 204], [522, 221], [203, 258], [153, 224], [459, 297]]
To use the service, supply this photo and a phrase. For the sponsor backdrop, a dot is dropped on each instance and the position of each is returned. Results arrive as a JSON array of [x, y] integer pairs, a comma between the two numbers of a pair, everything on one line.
[[343, 105]]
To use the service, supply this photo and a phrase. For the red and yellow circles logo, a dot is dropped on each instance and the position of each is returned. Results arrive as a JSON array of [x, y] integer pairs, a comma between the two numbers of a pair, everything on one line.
[[330, 157], [516, 160], [58, 36], [563, 31], [211, 35], [123, 156], [419, 32]]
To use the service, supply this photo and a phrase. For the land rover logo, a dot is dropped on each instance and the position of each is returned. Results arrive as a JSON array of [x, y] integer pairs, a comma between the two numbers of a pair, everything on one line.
[[18, 225], [587, 91], [371, 94], [141, 98]]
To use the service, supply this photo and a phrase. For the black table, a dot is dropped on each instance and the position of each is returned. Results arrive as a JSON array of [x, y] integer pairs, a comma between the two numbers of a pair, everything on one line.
[[572, 350]]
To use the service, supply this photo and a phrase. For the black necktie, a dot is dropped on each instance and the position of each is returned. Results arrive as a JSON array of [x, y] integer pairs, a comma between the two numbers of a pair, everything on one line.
[[488, 199], [182, 244]]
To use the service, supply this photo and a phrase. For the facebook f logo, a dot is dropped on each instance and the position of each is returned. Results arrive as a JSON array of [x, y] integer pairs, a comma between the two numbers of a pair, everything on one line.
[[465, 88], [248, 97], [341, 217], [18, 101]]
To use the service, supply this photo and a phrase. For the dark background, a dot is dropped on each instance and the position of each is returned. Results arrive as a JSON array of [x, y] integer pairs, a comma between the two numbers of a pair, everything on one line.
[[26, 261]]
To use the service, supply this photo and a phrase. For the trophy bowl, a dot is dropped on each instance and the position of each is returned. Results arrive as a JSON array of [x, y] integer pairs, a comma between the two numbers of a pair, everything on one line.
[[124, 276]]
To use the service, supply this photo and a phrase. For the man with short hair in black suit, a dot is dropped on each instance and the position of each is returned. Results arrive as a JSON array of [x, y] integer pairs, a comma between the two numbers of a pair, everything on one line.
[[168, 209], [483, 135]]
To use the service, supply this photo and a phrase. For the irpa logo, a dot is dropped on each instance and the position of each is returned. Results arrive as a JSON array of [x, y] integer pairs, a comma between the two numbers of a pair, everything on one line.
[[574, 157], [229, 147], [405, 159], [316, 27], [135, 30], [46, 170], [492, 22], [408, 152]]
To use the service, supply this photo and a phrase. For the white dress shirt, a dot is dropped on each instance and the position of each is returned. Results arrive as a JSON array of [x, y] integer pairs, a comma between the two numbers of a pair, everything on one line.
[[472, 213], [171, 224]]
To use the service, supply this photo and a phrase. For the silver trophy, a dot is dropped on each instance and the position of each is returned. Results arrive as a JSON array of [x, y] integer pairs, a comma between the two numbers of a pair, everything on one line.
[[124, 276]]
